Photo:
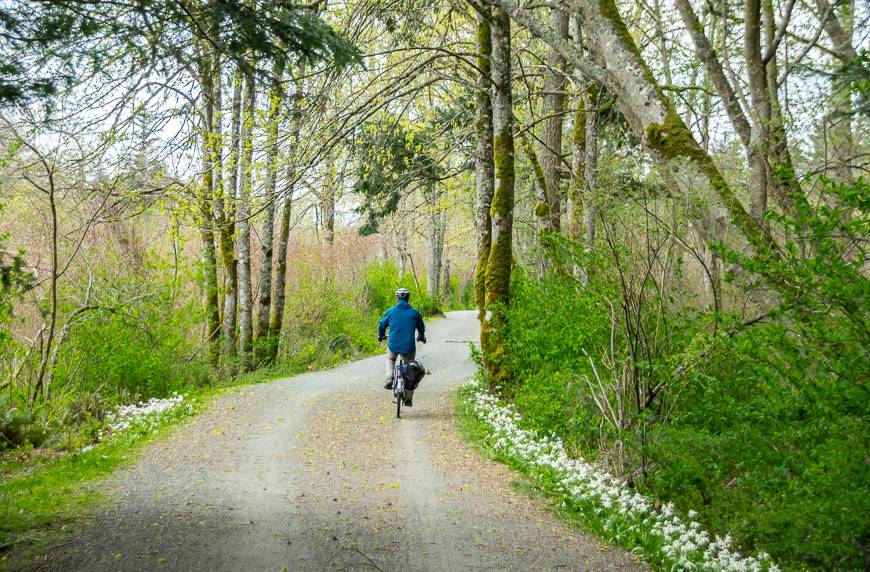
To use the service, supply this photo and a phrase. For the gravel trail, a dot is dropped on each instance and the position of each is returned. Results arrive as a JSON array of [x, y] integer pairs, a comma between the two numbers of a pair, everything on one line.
[[315, 472]]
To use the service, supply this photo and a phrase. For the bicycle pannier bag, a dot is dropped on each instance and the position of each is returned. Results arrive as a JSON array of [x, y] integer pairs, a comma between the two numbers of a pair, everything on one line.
[[414, 372]]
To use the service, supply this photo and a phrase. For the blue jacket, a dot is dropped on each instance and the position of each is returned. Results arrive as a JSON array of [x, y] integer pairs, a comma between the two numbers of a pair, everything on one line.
[[402, 319]]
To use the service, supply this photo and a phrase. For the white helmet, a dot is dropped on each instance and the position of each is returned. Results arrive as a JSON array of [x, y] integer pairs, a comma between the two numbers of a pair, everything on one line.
[[403, 293]]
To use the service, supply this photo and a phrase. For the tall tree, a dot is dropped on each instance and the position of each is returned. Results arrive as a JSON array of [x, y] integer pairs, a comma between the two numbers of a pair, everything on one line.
[[551, 134], [484, 167], [276, 317], [436, 220], [327, 198], [208, 121], [574, 203], [227, 222], [593, 101], [243, 203], [267, 232], [499, 264]]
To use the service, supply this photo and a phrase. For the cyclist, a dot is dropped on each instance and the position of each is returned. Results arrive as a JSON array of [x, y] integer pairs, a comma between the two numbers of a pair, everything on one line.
[[402, 319]]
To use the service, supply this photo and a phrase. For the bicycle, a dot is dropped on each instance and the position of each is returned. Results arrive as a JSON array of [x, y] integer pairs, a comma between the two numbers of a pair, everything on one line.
[[400, 393], [399, 385]]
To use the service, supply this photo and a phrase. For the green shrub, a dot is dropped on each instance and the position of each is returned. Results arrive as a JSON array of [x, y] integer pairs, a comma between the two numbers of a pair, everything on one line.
[[772, 447], [382, 281], [14, 423], [135, 351], [556, 325]]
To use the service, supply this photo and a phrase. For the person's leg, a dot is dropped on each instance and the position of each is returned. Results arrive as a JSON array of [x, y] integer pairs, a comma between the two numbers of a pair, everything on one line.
[[391, 368]]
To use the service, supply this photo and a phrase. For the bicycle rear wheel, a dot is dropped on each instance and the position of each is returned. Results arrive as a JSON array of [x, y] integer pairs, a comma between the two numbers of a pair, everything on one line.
[[399, 390]]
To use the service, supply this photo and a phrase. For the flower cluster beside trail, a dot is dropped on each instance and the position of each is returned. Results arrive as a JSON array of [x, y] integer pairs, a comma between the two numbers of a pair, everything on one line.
[[680, 541], [144, 416]]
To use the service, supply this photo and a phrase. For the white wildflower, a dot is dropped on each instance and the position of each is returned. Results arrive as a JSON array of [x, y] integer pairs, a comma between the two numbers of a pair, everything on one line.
[[683, 543]]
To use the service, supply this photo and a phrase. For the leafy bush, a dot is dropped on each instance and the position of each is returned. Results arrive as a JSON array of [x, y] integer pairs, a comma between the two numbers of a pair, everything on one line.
[[383, 279], [775, 454], [135, 350], [555, 326]]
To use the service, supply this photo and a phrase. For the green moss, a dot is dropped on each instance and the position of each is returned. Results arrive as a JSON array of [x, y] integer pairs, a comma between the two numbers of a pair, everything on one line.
[[498, 268], [480, 278], [673, 139], [484, 45], [503, 198]]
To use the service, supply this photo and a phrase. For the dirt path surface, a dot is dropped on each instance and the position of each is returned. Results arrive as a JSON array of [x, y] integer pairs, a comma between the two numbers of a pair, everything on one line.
[[315, 472]]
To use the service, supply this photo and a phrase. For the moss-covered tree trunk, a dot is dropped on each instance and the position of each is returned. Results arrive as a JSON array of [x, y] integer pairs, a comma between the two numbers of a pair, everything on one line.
[[267, 233], [584, 166], [483, 160], [227, 223], [243, 210], [498, 267]]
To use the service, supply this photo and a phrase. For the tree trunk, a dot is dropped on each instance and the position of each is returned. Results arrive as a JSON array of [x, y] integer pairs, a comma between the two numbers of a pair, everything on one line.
[[264, 294], [327, 199], [206, 214], [244, 224], [841, 146], [228, 224], [841, 37], [548, 211], [217, 191], [401, 237], [276, 318], [483, 160], [590, 174], [436, 244], [498, 267], [574, 206], [759, 134], [55, 275], [447, 294]]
